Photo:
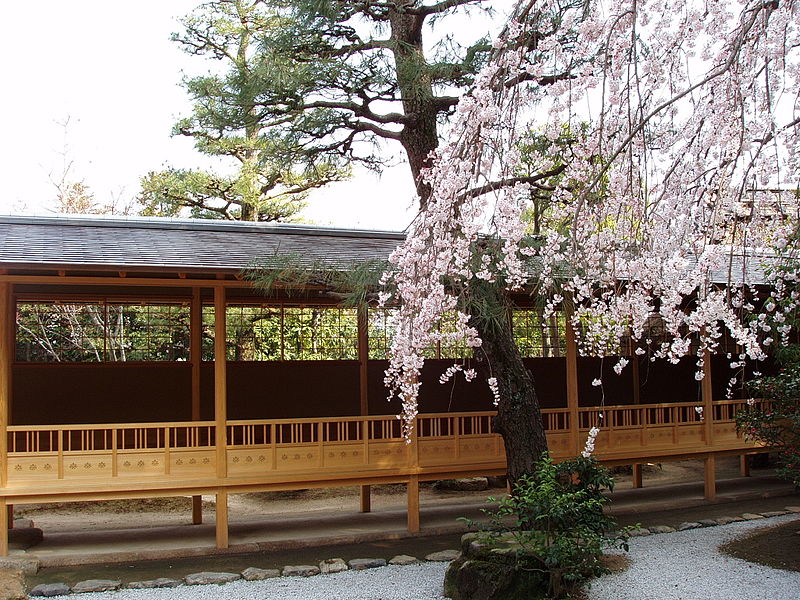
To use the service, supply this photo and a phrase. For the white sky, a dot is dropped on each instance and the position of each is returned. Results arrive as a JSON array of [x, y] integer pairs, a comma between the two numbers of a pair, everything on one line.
[[111, 69]]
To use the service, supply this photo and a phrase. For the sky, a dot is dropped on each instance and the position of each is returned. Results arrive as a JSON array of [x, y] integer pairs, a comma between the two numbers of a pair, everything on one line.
[[109, 71]]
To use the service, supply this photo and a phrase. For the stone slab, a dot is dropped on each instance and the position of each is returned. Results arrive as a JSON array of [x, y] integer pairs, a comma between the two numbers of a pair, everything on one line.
[[210, 577], [332, 565], [300, 571], [256, 574], [161, 582], [403, 559], [359, 564], [96, 585], [443, 556], [50, 589]]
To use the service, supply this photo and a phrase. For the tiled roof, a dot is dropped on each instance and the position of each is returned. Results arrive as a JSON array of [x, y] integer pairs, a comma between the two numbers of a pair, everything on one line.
[[176, 245]]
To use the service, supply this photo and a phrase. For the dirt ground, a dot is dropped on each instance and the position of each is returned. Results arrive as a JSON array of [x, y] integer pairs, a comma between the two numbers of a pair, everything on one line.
[[777, 547], [151, 512]]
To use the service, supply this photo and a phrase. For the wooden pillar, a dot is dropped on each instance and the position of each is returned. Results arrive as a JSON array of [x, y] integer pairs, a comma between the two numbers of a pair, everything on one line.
[[744, 465], [363, 382], [707, 395], [7, 320], [572, 383], [637, 475], [710, 478], [220, 381], [222, 519], [413, 504], [196, 356]]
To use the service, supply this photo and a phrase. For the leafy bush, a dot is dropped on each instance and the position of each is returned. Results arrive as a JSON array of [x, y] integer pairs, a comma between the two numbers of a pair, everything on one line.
[[777, 424], [556, 518]]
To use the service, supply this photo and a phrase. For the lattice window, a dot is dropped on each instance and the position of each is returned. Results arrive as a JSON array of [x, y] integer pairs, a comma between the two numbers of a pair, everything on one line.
[[537, 337], [381, 330], [101, 332]]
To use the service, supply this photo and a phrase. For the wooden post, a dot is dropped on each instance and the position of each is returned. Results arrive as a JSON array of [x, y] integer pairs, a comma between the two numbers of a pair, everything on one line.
[[196, 356], [744, 465], [710, 478], [222, 519], [637, 475], [363, 380], [707, 396], [572, 383], [413, 504], [220, 382], [7, 320]]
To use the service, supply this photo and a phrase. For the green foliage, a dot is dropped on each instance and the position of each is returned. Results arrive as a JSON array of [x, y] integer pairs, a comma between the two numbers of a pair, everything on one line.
[[555, 515], [777, 424]]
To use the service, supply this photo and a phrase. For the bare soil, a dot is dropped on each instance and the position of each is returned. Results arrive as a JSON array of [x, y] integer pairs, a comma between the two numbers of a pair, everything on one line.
[[777, 547], [151, 512]]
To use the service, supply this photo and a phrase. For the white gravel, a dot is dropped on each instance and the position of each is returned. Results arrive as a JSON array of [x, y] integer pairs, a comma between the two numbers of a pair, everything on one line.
[[687, 566], [676, 566]]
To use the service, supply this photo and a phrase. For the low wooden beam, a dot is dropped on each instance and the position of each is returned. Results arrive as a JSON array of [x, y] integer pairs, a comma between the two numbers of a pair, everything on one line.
[[636, 470], [744, 465], [413, 504], [222, 520], [710, 478]]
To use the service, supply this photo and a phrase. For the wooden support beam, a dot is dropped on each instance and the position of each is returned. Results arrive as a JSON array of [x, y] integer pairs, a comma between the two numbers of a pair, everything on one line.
[[7, 320], [710, 478], [222, 520], [3, 528], [707, 394], [220, 381], [744, 465], [196, 356], [572, 382], [413, 504], [637, 475], [363, 381]]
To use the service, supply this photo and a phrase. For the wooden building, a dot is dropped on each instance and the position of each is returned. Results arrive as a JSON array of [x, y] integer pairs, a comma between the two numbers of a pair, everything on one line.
[[116, 384]]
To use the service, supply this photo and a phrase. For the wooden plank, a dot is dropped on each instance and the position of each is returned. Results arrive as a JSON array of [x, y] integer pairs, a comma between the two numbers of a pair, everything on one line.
[[413, 504], [222, 519], [220, 381]]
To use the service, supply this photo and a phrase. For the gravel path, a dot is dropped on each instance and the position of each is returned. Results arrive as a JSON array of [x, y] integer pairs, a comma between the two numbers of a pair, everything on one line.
[[675, 566], [687, 566]]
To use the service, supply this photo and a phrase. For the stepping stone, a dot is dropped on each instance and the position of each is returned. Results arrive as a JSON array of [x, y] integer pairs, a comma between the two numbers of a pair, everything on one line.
[[161, 582], [29, 566], [50, 589], [443, 556], [641, 532], [359, 564], [726, 520], [662, 529], [22, 523], [300, 571], [775, 513], [209, 577], [332, 565], [96, 585], [708, 522], [793, 509], [468, 484], [689, 525], [403, 559], [256, 574], [751, 516]]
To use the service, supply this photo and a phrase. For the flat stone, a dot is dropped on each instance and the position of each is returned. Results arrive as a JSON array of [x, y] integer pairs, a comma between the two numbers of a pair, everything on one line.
[[29, 566], [726, 520], [22, 523], [443, 556], [662, 529], [497, 481], [209, 577], [25, 538], [50, 589], [403, 559], [359, 564], [332, 565], [793, 509], [161, 582], [689, 525], [775, 513], [751, 516], [300, 571], [256, 574], [96, 585], [639, 532], [708, 522], [467, 484]]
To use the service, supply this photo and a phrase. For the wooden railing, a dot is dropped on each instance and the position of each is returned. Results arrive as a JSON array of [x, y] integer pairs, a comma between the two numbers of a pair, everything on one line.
[[349, 446]]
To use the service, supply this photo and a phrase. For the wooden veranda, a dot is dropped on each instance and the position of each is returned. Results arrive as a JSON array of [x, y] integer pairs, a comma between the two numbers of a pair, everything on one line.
[[207, 423]]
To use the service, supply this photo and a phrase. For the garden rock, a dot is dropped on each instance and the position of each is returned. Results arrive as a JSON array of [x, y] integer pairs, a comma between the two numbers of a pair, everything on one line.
[[300, 571], [12, 584], [497, 481], [359, 564], [22, 539], [256, 574], [22, 523], [689, 525], [96, 585], [443, 556], [50, 589], [403, 559], [751, 516], [29, 566], [332, 565], [726, 520], [161, 582], [662, 529], [641, 532], [210, 577], [708, 522], [775, 513], [793, 509], [468, 484]]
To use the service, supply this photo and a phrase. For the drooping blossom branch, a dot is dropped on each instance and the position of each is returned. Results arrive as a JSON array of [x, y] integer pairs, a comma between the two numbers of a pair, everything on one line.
[[669, 130]]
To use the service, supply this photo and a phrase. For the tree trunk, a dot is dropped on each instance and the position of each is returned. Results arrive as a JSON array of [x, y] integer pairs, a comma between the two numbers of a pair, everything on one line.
[[519, 417]]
